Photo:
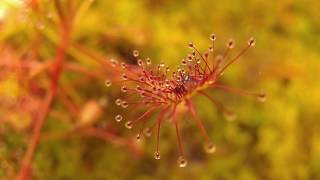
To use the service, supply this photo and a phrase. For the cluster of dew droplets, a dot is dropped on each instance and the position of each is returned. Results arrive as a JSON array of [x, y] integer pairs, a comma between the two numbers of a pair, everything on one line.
[[118, 102], [118, 117], [128, 124], [124, 89], [113, 63], [122, 103], [155, 87]]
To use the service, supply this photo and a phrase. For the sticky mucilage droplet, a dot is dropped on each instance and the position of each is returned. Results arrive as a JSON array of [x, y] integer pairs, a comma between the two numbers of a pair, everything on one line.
[[108, 83], [182, 162], [118, 118]]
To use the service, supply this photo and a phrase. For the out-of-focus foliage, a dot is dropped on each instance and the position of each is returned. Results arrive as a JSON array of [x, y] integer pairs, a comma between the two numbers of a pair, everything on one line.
[[279, 139]]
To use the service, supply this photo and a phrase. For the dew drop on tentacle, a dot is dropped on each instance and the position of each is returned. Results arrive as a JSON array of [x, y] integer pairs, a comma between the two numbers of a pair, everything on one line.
[[190, 45], [123, 65], [189, 57], [230, 43], [182, 162], [210, 148], [138, 88], [124, 104], [139, 62], [251, 42], [141, 79], [174, 74], [118, 118], [167, 83], [154, 89], [213, 37], [124, 77], [118, 102], [143, 94], [262, 97], [183, 62], [128, 124], [157, 155], [148, 61], [138, 137], [124, 89], [114, 62], [210, 49], [108, 83], [135, 53]]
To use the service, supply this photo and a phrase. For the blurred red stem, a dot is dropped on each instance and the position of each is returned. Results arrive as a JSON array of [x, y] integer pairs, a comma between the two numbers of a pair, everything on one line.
[[39, 121], [72, 107]]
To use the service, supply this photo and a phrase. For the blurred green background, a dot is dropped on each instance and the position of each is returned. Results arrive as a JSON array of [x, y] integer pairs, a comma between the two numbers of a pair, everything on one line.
[[278, 139]]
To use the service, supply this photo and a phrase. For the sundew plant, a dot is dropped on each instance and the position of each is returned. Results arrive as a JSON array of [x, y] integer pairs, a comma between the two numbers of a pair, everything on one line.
[[100, 89], [156, 89]]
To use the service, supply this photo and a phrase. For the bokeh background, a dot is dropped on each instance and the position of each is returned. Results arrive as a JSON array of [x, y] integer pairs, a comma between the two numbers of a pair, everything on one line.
[[277, 139]]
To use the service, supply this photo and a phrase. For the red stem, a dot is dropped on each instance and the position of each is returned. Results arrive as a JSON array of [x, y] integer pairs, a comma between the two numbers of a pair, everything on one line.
[[39, 121], [197, 120]]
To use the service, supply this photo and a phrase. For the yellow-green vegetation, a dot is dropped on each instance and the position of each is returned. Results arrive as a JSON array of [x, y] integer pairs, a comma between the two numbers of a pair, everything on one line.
[[277, 139]]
